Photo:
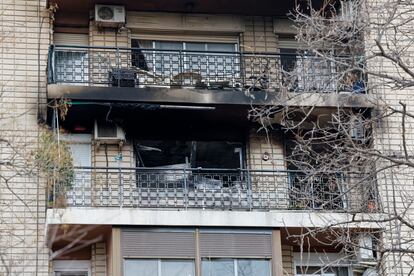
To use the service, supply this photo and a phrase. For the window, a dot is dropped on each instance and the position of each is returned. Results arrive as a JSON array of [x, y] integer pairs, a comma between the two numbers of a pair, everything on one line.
[[315, 74], [205, 154], [71, 273], [71, 64], [321, 191], [253, 267], [288, 60], [171, 157], [307, 264], [159, 267], [303, 71], [186, 63], [71, 268], [80, 145], [235, 267], [141, 267], [320, 271], [324, 190]]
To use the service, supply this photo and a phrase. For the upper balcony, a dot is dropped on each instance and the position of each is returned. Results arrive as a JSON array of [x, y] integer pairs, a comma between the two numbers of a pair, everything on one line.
[[193, 52], [224, 76]]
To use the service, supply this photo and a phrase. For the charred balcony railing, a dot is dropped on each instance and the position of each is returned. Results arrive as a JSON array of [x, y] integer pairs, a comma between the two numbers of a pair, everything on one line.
[[222, 189], [239, 71]]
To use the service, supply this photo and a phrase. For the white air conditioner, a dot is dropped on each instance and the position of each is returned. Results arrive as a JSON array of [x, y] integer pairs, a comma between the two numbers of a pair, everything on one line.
[[357, 132], [364, 251], [109, 15], [357, 128], [108, 133], [347, 10]]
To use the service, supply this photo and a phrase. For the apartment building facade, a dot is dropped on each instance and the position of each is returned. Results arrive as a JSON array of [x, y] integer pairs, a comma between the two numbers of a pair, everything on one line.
[[171, 175]]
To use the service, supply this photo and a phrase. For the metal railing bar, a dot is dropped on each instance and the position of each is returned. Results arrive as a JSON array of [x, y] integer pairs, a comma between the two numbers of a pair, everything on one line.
[[235, 170], [68, 47]]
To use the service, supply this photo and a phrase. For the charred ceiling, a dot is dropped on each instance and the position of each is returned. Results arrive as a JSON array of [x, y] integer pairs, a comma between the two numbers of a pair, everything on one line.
[[151, 122], [259, 7]]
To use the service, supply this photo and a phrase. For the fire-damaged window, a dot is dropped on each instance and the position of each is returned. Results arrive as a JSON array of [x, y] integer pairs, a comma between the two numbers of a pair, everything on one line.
[[191, 164], [310, 187], [326, 171], [193, 154]]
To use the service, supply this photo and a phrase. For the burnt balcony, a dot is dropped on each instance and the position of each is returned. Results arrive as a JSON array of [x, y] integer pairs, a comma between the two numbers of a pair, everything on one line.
[[239, 74], [220, 189]]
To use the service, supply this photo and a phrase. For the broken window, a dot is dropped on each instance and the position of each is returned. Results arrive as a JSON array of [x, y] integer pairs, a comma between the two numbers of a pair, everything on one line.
[[191, 164], [138, 58], [196, 154], [309, 186]]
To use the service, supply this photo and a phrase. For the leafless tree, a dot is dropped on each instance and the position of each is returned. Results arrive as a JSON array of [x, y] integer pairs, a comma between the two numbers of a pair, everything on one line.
[[353, 47]]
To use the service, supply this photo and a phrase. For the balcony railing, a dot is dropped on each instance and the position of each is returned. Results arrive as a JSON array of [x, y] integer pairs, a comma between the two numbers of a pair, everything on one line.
[[239, 71], [223, 189]]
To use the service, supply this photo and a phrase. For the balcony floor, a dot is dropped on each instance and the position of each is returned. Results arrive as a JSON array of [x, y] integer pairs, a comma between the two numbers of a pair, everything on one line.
[[205, 96], [275, 218]]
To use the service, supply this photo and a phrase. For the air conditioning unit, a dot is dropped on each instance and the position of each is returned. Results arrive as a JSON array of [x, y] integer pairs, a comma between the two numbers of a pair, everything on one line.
[[364, 251], [108, 133], [347, 10], [357, 129], [109, 15], [358, 132]]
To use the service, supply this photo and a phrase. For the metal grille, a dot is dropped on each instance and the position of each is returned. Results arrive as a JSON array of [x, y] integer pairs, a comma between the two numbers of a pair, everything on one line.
[[239, 71], [324, 191], [222, 189]]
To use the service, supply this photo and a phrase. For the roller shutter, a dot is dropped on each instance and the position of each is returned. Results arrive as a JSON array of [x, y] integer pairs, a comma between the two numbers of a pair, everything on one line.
[[241, 245], [158, 244], [70, 39], [288, 43]]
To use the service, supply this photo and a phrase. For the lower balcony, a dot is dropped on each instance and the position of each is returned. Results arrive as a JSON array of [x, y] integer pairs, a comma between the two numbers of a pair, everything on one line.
[[183, 188]]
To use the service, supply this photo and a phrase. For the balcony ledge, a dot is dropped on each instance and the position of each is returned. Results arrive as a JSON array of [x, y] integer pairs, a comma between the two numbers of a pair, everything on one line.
[[204, 96], [149, 217]]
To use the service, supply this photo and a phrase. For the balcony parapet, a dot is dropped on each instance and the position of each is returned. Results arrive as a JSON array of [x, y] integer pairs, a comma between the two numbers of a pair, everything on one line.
[[214, 189]]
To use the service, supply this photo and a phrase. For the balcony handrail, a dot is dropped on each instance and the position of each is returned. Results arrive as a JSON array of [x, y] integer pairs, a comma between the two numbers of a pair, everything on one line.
[[198, 169], [57, 46]]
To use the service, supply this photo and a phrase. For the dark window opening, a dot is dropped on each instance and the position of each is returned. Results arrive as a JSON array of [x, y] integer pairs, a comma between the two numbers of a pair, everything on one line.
[[288, 59], [203, 165], [309, 189], [195, 154], [137, 57]]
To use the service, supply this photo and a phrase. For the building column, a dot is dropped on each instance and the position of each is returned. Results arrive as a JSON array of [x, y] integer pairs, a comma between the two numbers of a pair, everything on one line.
[[277, 263], [115, 253], [198, 257]]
